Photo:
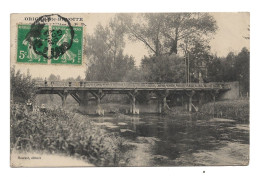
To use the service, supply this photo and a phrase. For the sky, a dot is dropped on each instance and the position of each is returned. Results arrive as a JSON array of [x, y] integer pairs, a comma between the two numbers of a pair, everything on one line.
[[229, 37]]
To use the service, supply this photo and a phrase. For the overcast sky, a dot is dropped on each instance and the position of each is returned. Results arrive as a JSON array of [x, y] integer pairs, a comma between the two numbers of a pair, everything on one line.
[[229, 37]]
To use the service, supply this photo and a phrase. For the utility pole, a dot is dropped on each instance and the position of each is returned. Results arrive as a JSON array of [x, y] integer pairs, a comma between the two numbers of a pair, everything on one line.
[[188, 67], [187, 61], [185, 66]]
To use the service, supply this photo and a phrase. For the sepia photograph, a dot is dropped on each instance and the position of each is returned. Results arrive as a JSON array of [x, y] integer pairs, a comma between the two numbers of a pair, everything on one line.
[[130, 89]]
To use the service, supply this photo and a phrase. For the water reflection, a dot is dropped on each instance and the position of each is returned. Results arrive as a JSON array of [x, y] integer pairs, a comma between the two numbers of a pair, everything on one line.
[[171, 137]]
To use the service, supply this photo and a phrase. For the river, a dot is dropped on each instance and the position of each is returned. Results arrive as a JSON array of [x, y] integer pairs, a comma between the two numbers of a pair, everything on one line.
[[158, 140]]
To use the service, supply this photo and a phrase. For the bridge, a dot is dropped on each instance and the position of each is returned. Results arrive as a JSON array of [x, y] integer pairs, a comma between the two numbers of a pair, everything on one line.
[[82, 92]]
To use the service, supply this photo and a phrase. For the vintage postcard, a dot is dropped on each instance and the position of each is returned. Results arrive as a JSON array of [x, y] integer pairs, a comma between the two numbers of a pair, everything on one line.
[[130, 89]]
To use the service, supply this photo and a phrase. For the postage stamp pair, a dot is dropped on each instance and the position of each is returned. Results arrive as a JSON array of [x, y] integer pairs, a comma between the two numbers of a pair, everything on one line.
[[43, 41]]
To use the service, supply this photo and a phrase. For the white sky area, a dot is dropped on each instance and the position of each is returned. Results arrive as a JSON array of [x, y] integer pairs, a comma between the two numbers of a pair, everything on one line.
[[229, 37]]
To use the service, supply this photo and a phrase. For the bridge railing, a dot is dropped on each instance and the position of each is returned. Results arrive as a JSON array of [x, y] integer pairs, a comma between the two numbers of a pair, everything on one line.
[[130, 84]]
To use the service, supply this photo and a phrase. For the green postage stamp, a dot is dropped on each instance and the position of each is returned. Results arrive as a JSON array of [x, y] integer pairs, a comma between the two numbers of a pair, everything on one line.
[[38, 43]]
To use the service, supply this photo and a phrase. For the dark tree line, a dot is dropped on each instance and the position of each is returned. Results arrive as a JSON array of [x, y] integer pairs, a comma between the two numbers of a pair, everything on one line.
[[231, 68]]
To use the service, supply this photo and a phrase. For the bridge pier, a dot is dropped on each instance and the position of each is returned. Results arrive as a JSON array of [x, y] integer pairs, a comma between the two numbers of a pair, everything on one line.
[[214, 94], [82, 97], [132, 96], [63, 96], [98, 95], [190, 95], [77, 97], [201, 100], [162, 101], [201, 96]]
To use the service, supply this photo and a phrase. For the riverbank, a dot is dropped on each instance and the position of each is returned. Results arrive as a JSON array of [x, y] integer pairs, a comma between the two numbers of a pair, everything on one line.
[[56, 132], [231, 109]]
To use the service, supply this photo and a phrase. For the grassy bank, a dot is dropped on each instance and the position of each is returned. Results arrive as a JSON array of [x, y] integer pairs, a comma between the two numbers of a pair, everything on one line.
[[59, 132], [231, 109]]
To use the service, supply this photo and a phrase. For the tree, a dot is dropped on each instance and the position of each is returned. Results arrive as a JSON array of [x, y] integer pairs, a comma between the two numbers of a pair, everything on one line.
[[134, 75], [232, 68], [53, 77], [105, 53], [248, 36], [147, 30], [69, 79], [163, 69], [223, 69], [162, 33], [197, 57], [79, 78], [22, 86], [182, 26], [229, 69], [215, 70], [242, 70]]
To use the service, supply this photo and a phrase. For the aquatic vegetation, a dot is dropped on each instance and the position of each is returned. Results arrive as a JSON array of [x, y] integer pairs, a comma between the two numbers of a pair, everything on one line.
[[233, 109], [57, 131]]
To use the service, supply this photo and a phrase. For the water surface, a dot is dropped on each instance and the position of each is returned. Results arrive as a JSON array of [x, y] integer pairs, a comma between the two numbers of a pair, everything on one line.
[[180, 140]]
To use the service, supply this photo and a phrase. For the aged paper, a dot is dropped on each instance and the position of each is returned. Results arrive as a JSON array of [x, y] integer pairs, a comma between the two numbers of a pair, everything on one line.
[[137, 89]]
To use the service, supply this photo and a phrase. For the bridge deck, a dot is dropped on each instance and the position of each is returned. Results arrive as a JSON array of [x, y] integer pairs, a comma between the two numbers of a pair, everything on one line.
[[58, 85]]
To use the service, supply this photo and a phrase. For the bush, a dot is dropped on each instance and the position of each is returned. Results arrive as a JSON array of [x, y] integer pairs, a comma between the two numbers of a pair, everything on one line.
[[22, 86], [233, 109], [57, 131]]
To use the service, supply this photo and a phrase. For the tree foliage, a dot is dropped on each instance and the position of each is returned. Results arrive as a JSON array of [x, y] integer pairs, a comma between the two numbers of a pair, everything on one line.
[[231, 68], [163, 69], [162, 33], [199, 58], [54, 77], [22, 86], [242, 66], [105, 47], [247, 36]]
